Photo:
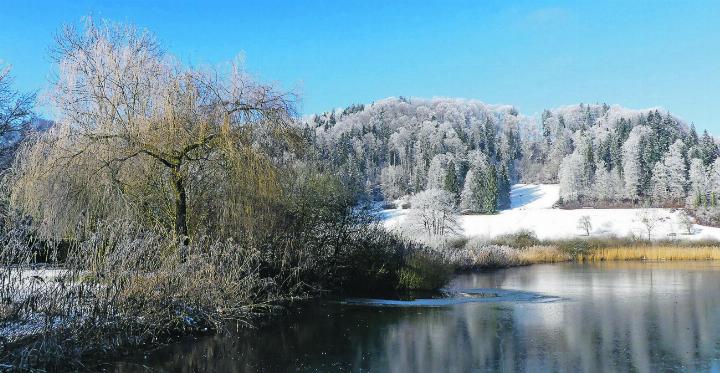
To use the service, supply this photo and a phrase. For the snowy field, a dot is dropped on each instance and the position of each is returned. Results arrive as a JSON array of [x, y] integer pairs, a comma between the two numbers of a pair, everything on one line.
[[532, 209]]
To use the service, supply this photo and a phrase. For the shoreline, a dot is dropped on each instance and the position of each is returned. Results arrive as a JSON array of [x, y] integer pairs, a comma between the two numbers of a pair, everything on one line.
[[513, 257]]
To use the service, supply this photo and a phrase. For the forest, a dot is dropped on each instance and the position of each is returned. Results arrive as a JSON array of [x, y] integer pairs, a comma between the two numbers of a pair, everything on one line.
[[601, 155]]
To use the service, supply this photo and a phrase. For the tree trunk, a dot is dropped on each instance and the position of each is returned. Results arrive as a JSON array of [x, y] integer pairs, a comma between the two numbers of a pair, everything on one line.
[[181, 229]]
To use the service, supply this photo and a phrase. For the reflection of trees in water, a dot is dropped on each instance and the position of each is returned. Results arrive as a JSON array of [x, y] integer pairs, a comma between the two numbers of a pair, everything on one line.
[[617, 318]]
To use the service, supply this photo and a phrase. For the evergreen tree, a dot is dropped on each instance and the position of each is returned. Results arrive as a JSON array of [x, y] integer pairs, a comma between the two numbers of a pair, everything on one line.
[[503, 189], [490, 194], [451, 179], [708, 148], [692, 136]]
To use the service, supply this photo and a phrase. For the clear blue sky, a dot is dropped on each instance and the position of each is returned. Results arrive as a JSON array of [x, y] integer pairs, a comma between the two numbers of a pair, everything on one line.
[[533, 54]]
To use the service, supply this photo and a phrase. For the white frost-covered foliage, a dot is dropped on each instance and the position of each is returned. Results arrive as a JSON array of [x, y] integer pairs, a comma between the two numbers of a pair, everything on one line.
[[392, 181], [669, 176], [631, 162], [631, 157], [432, 216], [598, 153], [403, 146], [437, 171], [571, 175]]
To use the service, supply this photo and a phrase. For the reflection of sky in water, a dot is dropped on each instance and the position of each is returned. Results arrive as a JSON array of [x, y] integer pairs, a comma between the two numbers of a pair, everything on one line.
[[612, 317]]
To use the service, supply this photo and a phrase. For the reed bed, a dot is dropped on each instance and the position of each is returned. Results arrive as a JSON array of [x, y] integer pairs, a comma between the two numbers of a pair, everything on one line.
[[474, 256], [650, 253], [544, 254], [523, 248]]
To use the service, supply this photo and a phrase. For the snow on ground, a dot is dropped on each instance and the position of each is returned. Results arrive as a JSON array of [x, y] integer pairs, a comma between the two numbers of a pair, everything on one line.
[[532, 209], [22, 283]]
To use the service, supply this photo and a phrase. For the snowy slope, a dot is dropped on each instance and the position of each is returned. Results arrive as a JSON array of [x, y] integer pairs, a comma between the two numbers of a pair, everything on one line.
[[531, 208]]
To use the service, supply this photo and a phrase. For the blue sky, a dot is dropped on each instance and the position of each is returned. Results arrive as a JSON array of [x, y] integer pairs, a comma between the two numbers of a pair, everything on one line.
[[532, 54]]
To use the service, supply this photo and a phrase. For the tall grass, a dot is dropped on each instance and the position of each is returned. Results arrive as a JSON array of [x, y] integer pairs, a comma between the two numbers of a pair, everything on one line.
[[651, 253], [477, 254], [523, 248], [126, 287]]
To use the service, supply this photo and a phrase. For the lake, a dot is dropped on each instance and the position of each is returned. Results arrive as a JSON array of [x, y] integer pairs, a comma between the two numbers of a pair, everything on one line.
[[614, 316]]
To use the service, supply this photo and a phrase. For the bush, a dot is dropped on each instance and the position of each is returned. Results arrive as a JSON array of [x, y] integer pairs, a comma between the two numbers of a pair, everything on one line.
[[520, 239], [378, 261], [424, 270]]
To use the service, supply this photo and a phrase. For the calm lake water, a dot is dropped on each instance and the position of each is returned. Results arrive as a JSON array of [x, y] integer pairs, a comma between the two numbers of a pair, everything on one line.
[[605, 317]]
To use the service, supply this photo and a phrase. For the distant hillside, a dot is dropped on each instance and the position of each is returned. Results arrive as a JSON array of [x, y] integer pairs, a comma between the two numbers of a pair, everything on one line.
[[599, 153]]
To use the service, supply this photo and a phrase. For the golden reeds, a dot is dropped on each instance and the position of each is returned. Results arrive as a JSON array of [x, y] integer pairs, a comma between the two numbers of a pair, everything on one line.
[[651, 253]]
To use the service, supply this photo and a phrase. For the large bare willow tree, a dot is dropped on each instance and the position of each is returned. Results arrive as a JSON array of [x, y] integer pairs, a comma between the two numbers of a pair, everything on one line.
[[142, 138]]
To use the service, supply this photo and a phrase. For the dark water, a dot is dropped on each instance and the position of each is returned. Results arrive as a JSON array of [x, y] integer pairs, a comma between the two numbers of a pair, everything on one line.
[[607, 317]]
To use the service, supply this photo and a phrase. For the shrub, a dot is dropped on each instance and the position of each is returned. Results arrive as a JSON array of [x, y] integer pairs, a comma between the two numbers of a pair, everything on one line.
[[424, 270], [520, 239]]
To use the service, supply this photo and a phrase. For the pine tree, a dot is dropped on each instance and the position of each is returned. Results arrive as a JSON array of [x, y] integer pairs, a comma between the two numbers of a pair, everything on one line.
[[708, 148], [693, 136], [490, 194], [451, 179], [503, 189]]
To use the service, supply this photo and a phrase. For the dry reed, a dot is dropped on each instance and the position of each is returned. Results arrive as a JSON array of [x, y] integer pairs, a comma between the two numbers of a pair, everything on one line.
[[651, 253]]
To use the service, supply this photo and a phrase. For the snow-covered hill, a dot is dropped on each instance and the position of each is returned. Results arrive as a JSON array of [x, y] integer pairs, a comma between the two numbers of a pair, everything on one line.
[[532, 209]]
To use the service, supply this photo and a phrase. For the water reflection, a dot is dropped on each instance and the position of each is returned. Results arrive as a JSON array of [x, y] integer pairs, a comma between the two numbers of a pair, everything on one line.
[[612, 317]]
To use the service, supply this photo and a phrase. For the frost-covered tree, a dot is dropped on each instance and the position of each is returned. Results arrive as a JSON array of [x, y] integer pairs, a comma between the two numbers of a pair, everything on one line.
[[686, 222], [676, 162], [669, 176], [632, 166], [392, 182], [700, 183], [660, 182], [585, 224], [141, 138], [572, 177], [481, 188], [649, 220], [471, 195], [432, 214]]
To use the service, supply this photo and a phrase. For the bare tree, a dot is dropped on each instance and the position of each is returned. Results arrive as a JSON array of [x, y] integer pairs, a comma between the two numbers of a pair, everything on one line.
[[649, 220], [585, 224], [140, 136], [15, 115]]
